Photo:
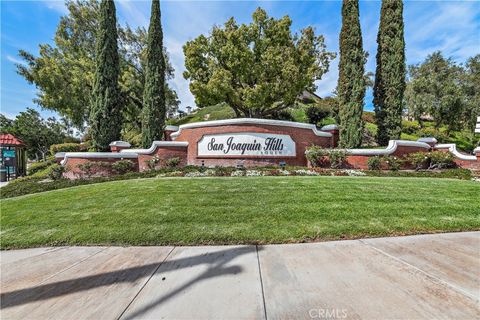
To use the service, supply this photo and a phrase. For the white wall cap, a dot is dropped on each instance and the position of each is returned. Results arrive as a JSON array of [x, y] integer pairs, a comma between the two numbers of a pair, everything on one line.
[[120, 144], [269, 122], [329, 127], [392, 146], [60, 155], [154, 146], [452, 147], [94, 155], [428, 140], [98, 155], [171, 128]]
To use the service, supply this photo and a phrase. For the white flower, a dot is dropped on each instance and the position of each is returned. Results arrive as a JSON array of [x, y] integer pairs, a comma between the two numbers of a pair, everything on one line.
[[210, 172], [355, 173], [238, 173], [195, 174], [174, 174], [253, 173], [303, 172]]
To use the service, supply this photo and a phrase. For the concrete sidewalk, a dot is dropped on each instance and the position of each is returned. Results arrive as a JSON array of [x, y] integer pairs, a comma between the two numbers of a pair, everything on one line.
[[415, 277]]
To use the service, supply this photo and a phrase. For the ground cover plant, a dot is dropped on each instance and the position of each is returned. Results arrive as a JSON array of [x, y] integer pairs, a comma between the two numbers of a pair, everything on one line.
[[238, 210]]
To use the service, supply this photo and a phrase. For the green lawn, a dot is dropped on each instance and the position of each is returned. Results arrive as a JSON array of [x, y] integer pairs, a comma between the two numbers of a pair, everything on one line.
[[239, 210]]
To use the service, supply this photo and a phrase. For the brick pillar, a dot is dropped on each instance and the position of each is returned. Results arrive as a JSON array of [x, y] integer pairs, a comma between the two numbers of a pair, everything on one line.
[[477, 153], [168, 131], [333, 129], [116, 146]]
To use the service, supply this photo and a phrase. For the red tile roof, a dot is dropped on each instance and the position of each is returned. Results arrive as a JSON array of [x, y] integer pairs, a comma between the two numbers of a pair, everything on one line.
[[10, 140]]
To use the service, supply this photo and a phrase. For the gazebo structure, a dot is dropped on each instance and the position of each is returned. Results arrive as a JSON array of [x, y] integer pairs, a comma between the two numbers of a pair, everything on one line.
[[13, 156]]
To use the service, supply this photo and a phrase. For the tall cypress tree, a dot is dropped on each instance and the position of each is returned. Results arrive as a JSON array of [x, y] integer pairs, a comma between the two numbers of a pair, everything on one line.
[[106, 107], [351, 81], [389, 85], [154, 92]]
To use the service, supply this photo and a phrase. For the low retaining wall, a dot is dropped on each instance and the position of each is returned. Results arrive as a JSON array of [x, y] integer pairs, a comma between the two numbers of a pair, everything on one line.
[[249, 142], [73, 160], [462, 160], [160, 152], [358, 158]]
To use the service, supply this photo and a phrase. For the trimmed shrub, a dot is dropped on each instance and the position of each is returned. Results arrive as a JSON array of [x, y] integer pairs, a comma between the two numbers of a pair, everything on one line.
[[316, 155], [337, 158], [458, 173], [410, 127], [123, 166], [393, 163], [431, 160], [65, 147], [152, 163], [39, 166], [374, 163], [441, 160], [172, 162], [317, 113], [419, 160], [56, 171], [92, 168]]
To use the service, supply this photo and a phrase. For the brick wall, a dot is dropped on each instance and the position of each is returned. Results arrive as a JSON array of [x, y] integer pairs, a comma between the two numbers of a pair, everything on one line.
[[72, 170], [303, 138], [163, 153]]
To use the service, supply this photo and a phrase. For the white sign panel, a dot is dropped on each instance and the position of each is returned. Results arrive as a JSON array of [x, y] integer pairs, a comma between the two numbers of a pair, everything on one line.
[[247, 144]]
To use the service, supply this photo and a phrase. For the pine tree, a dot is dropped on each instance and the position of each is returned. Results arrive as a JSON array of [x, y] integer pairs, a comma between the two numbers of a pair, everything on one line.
[[389, 84], [106, 108], [154, 93], [351, 81]]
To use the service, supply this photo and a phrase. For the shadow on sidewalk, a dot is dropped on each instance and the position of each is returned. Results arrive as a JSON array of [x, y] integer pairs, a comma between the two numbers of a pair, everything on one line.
[[216, 268]]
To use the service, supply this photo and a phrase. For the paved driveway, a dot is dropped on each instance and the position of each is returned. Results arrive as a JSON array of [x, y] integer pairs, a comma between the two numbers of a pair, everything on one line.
[[415, 277]]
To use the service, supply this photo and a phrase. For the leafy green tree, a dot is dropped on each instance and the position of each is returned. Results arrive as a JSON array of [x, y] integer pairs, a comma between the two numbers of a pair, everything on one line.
[[444, 90], [258, 69], [64, 73], [37, 133], [154, 94], [389, 87], [106, 110], [434, 89], [471, 90], [351, 82]]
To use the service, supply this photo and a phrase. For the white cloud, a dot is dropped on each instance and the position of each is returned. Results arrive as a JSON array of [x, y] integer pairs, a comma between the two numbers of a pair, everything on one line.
[[328, 83], [452, 27], [57, 5], [136, 13], [14, 60]]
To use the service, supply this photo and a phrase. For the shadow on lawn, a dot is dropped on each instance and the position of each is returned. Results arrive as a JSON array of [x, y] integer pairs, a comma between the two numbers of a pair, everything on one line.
[[216, 262]]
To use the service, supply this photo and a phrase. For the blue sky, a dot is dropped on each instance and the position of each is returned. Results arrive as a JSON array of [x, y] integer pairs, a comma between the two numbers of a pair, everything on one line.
[[450, 26]]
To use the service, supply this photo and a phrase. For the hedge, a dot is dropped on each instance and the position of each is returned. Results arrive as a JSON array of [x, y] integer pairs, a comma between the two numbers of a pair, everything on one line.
[[65, 147]]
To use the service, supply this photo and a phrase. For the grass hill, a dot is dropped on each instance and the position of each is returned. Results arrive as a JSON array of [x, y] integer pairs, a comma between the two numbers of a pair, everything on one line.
[[217, 112]]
